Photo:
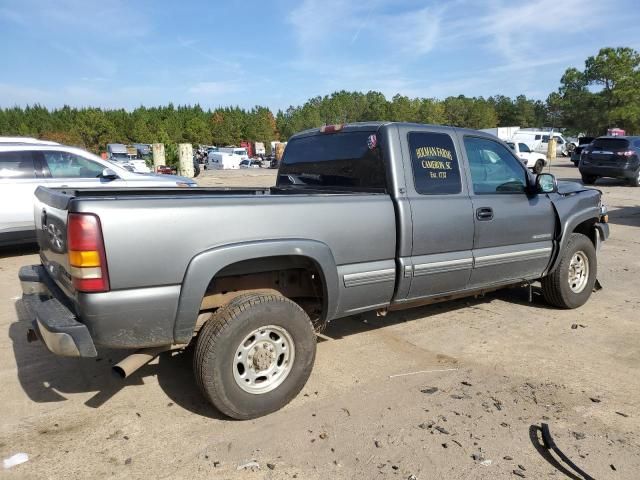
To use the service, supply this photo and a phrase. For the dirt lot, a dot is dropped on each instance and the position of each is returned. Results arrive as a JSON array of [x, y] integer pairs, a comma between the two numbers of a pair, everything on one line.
[[498, 367]]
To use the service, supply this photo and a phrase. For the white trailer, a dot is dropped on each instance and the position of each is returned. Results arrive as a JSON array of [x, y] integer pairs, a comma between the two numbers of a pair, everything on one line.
[[259, 149], [503, 133], [226, 158]]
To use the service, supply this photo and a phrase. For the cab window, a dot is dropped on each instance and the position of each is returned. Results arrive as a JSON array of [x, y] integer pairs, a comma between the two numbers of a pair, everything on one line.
[[493, 168], [434, 163], [14, 165], [524, 148], [69, 165]]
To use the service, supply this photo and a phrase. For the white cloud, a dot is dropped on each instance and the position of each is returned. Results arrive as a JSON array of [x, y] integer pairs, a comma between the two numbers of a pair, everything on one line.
[[325, 27], [531, 30], [112, 18], [403, 45], [415, 32]]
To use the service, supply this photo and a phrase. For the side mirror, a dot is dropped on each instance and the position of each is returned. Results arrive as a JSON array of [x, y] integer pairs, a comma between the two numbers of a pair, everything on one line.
[[546, 183], [109, 174]]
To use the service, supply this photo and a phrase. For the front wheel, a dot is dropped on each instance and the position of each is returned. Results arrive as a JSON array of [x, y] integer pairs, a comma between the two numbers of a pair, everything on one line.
[[571, 283], [254, 355], [589, 179]]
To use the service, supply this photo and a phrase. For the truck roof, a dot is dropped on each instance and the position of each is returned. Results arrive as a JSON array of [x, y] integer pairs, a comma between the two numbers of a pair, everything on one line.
[[351, 127]]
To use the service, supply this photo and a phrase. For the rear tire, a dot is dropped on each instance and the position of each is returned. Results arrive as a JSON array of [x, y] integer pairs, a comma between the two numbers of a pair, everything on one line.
[[635, 181], [589, 179], [254, 355], [538, 167], [571, 283]]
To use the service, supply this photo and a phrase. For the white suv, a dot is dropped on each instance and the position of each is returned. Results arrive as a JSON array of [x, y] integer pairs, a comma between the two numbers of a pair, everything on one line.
[[25, 165]]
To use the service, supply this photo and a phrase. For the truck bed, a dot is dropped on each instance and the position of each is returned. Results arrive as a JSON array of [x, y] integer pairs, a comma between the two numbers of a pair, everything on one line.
[[158, 231]]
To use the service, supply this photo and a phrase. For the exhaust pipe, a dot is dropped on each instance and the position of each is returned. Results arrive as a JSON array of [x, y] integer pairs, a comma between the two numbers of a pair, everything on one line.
[[125, 367]]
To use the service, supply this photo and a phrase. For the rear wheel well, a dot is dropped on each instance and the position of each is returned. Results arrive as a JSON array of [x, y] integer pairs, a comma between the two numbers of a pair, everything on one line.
[[295, 277]]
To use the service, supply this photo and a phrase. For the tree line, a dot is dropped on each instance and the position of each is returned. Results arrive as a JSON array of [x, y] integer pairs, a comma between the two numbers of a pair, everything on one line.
[[604, 94]]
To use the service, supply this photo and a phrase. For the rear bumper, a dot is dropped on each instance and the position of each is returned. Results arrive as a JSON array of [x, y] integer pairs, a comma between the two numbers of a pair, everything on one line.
[[54, 322], [127, 319], [610, 171]]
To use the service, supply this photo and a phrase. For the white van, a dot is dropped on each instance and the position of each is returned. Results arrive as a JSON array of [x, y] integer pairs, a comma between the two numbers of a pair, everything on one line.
[[226, 158], [538, 141]]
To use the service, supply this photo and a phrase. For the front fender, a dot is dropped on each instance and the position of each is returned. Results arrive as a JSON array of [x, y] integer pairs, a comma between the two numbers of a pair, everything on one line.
[[573, 210], [204, 266]]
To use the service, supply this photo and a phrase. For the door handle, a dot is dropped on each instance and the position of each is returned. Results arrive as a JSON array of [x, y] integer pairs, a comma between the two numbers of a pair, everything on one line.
[[484, 213]]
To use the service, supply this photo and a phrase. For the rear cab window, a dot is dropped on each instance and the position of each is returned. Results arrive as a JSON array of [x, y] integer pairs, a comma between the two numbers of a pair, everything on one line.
[[350, 160], [17, 165], [434, 163]]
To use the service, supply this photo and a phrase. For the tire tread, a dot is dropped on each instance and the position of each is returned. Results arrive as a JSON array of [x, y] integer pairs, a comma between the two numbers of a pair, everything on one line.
[[552, 283], [206, 351]]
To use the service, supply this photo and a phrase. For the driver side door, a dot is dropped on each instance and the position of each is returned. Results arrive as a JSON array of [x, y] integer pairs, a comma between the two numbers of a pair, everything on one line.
[[513, 234]]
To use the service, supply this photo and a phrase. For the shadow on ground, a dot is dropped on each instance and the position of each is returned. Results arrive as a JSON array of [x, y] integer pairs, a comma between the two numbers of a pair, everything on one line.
[[18, 250], [629, 216], [368, 321], [46, 377]]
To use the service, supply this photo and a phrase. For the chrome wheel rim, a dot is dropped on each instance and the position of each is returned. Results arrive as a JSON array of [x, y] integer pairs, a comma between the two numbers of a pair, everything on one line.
[[263, 360], [578, 272]]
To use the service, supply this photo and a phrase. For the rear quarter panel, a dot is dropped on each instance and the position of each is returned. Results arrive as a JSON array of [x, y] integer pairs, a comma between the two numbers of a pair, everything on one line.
[[150, 242]]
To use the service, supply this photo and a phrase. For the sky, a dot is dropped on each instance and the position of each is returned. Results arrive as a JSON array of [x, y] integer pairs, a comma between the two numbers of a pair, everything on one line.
[[122, 54]]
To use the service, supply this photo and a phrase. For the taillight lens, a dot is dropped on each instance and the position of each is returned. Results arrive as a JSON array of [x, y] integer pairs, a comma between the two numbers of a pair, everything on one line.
[[627, 153], [87, 256]]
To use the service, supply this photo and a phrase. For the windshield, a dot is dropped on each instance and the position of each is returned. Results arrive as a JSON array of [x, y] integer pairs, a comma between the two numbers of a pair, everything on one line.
[[335, 160]]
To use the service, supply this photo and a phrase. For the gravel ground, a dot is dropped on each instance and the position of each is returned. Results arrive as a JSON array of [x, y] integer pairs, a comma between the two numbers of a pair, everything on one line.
[[492, 369], [249, 177]]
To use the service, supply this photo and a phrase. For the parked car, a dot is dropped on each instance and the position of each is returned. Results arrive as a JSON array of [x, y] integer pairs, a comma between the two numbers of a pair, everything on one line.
[[166, 170], [577, 152], [372, 217], [533, 160], [250, 164], [614, 157], [24, 166]]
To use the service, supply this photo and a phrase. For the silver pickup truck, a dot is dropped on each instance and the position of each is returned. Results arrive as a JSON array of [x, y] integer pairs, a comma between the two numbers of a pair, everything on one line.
[[370, 216]]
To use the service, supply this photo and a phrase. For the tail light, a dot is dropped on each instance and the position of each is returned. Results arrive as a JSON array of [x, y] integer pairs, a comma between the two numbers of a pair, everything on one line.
[[87, 256], [627, 153]]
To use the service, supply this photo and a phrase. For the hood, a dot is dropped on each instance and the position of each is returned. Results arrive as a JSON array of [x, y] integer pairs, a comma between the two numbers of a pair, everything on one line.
[[568, 188]]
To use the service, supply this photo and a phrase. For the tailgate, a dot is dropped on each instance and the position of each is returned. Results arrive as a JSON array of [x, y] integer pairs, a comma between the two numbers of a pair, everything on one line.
[[50, 216]]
